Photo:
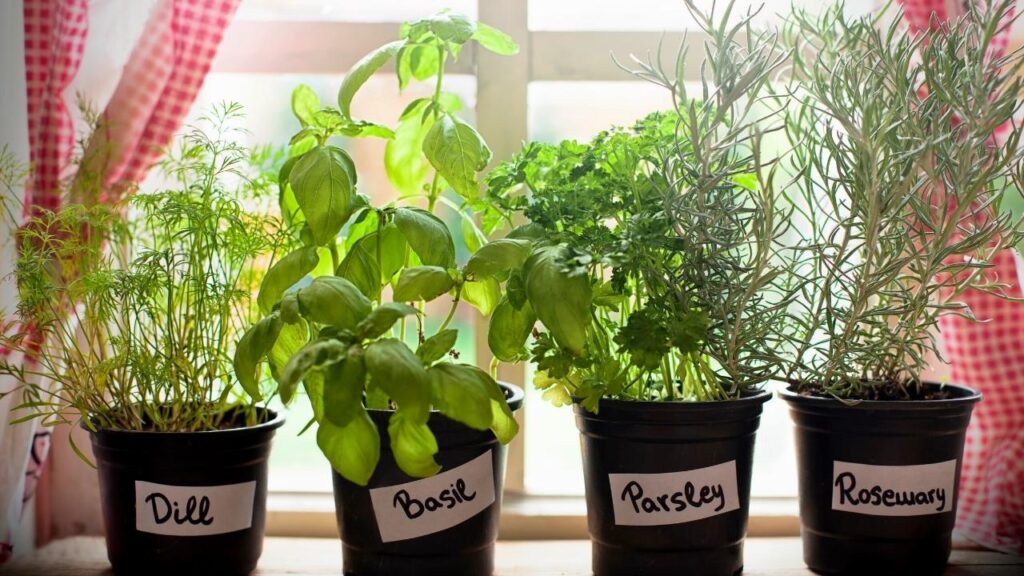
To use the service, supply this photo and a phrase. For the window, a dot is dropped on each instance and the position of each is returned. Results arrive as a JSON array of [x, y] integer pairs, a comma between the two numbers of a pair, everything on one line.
[[563, 84]]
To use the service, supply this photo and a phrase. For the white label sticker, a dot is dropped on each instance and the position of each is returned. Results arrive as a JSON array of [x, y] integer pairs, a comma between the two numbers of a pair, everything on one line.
[[433, 504], [193, 510], [674, 497], [893, 490]]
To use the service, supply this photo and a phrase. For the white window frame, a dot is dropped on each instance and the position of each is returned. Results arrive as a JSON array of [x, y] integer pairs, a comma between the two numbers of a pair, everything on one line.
[[319, 47]]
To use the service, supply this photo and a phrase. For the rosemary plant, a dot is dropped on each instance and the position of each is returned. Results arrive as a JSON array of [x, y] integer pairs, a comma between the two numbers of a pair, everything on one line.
[[128, 314], [899, 177], [670, 281]]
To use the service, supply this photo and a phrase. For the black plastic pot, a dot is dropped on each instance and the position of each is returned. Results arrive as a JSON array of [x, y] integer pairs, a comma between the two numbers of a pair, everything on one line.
[[845, 450], [185, 503], [701, 444], [427, 545]]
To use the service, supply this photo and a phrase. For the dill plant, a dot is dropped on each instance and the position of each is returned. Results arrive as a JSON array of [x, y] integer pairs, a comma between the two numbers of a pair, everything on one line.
[[670, 233], [128, 313], [899, 181]]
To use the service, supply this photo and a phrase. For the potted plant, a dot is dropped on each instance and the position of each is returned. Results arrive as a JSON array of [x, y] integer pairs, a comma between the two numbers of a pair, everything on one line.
[[657, 274], [126, 327], [900, 176], [415, 439]]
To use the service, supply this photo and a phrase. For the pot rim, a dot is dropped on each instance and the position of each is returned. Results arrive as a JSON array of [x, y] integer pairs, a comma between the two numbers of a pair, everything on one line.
[[968, 396], [276, 421], [759, 396]]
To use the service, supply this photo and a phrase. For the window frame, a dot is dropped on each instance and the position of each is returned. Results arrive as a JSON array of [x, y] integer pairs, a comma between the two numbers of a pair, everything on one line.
[[332, 47]]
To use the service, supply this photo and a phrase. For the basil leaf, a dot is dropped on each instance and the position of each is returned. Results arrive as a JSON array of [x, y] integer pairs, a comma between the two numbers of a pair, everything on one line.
[[427, 235], [324, 181], [496, 258], [413, 444], [403, 155], [422, 283], [434, 348], [313, 384], [561, 302], [251, 349], [460, 392], [508, 330], [354, 449], [503, 422], [305, 104], [333, 301], [361, 72], [360, 265], [400, 374], [482, 294], [343, 388], [451, 27], [284, 274], [290, 340], [316, 354], [495, 40], [382, 318], [457, 151]]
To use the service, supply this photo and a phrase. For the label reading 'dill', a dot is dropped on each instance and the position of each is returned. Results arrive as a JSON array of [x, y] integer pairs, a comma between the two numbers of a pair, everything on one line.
[[433, 504], [193, 510], [674, 497], [893, 490]]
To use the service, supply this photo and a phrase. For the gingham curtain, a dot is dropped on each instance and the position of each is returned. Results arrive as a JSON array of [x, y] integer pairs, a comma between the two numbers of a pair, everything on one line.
[[155, 92], [988, 356]]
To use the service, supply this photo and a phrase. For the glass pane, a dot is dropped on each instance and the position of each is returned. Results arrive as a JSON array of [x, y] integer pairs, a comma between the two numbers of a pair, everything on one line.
[[578, 110], [346, 10], [649, 14], [296, 462]]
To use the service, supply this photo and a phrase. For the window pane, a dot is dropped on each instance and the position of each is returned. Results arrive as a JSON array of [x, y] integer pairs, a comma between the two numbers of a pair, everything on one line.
[[346, 10], [578, 110], [650, 14], [296, 464]]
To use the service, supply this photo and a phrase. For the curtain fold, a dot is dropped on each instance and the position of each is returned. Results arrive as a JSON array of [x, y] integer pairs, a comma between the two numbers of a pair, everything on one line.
[[989, 356], [155, 92]]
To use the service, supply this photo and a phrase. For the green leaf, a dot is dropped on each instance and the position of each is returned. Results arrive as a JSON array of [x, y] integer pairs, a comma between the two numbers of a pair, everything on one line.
[[251, 349], [482, 294], [333, 301], [305, 104], [495, 40], [316, 354], [422, 283], [413, 444], [452, 27], [434, 348], [360, 263], [343, 388], [313, 384], [400, 374], [561, 302], [503, 422], [361, 72], [457, 151], [424, 61], [460, 392], [383, 317], [404, 163], [324, 182], [496, 258], [508, 330], [284, 274], [471, 235], [428, 236], [290, 340], [354, 449], [286, 196]]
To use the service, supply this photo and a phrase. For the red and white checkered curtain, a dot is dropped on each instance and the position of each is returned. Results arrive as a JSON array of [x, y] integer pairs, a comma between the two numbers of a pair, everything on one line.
[[988, 356], [155, 92]]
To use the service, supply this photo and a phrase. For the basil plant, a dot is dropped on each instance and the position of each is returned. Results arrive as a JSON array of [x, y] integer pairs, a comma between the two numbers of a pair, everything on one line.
[[335, 335]]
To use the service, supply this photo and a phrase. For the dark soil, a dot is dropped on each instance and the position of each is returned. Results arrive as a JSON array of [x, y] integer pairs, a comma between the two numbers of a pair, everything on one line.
[[888, 391]]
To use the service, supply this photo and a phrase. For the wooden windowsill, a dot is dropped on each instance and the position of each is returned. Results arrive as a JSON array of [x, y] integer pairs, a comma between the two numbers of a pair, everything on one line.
[[86, 556]]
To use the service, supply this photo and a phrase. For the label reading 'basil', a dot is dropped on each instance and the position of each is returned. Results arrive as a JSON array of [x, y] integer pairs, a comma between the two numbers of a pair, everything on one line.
[[674, 497], [193, 510], [434, 504], [893, 490]]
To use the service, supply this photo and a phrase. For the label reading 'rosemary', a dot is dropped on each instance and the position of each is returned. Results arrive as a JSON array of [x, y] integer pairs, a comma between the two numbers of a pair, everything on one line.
[[893, 490], [434, 504], [193, 510], [674, 497]]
